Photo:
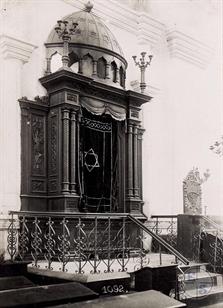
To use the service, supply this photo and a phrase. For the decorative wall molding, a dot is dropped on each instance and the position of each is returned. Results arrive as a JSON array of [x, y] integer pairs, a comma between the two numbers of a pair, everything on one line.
[[150, 30], [146, 28], [11, 47], [187, 48]]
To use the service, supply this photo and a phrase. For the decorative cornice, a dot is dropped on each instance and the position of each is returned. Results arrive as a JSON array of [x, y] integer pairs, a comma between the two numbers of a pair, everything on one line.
[[150, 30], [187, 48], [146, 28], [116, 13], [150, 90], [11, 47]]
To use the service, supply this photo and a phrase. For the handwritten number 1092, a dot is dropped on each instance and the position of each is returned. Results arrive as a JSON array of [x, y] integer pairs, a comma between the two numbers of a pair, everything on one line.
[[113, 289]]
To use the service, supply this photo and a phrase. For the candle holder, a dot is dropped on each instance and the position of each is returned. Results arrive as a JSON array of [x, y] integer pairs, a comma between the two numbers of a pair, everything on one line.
[[65, 33], [142, 65]]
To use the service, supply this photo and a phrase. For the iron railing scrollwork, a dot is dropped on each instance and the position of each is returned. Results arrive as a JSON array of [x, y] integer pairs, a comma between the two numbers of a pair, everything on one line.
[[208, 244], [164, 226], [83, 242], [12, 238]]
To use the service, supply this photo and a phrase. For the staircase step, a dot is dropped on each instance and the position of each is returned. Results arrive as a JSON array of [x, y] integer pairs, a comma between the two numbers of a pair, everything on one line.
[[191, 276], [202, 280], [103, 283], [213, 295], [196, 267], [151, 299], [14, 282], [46, 295]]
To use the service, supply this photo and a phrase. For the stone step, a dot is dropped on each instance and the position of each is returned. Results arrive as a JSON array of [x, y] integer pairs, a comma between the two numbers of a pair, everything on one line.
[[103, 283], [201, 280], [43, 296], [151, 299], [14, 282], [203, 297], [187, 276], [195, 266]]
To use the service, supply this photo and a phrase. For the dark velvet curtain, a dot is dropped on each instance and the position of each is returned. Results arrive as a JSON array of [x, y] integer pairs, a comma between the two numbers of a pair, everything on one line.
[[98, 148]]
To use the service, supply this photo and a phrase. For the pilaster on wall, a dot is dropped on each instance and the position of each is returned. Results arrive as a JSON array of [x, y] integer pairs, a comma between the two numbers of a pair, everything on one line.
[[13, 54]]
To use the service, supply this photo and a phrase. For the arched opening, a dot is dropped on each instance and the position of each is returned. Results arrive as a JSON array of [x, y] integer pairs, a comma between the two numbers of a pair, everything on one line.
[[101, 68], [114, 71], [122, 76], [73, 64], [87, 65], [56, 62]]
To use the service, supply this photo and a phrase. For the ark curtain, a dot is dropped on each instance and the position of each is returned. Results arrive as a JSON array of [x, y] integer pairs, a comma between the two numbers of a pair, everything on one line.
[[98, 155]]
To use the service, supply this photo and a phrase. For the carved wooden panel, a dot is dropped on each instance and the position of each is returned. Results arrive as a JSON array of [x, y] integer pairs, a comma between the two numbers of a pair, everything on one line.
[[38, 186], [34, 149], [38, 156], [53, 149]]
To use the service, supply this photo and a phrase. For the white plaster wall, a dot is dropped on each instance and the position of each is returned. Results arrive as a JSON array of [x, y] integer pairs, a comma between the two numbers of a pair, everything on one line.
[[187, 118], [182, 120]]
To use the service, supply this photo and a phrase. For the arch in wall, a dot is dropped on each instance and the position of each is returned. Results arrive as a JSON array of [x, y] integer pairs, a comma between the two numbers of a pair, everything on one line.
[[101, 68], [87, 65], [114, 71]]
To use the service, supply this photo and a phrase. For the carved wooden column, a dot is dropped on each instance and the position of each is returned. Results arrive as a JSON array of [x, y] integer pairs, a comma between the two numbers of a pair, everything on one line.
[[135, 161], [140, 137], [73, 152], [65, 176], [130, 161]]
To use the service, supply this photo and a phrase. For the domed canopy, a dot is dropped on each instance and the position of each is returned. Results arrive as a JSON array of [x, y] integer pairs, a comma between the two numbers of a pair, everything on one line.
[[91, 46], [91, 31]]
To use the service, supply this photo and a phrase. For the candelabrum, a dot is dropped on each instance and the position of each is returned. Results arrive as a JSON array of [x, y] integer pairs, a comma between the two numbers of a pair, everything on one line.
[[142, 64], [65, 33]]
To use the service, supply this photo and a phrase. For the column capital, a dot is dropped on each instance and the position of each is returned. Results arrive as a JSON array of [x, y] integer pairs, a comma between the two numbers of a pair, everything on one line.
[[11, 47]]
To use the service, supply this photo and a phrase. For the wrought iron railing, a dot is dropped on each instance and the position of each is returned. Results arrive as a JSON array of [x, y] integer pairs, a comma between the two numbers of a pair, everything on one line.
[[82, 242], [165, 226], [208, 244]]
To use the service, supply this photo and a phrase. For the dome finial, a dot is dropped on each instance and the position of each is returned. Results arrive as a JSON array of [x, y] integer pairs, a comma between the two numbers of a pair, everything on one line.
[[88, 6]]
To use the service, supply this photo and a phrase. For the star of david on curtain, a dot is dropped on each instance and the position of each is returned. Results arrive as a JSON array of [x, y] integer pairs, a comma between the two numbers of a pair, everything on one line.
[[98, 161]]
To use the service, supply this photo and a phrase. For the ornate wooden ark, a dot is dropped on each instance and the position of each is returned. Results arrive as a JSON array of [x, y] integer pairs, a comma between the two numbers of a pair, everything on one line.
[[82, 143]]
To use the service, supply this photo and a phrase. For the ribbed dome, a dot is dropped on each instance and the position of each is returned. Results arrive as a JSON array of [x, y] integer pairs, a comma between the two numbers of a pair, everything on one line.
[[91, 31]]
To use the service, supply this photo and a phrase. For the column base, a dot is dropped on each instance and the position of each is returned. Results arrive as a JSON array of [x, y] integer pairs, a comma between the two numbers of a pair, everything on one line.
[[64, 203], [134, 206]]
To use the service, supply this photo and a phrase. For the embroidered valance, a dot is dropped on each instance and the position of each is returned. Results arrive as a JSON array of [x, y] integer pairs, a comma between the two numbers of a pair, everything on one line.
[[98, 108]]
